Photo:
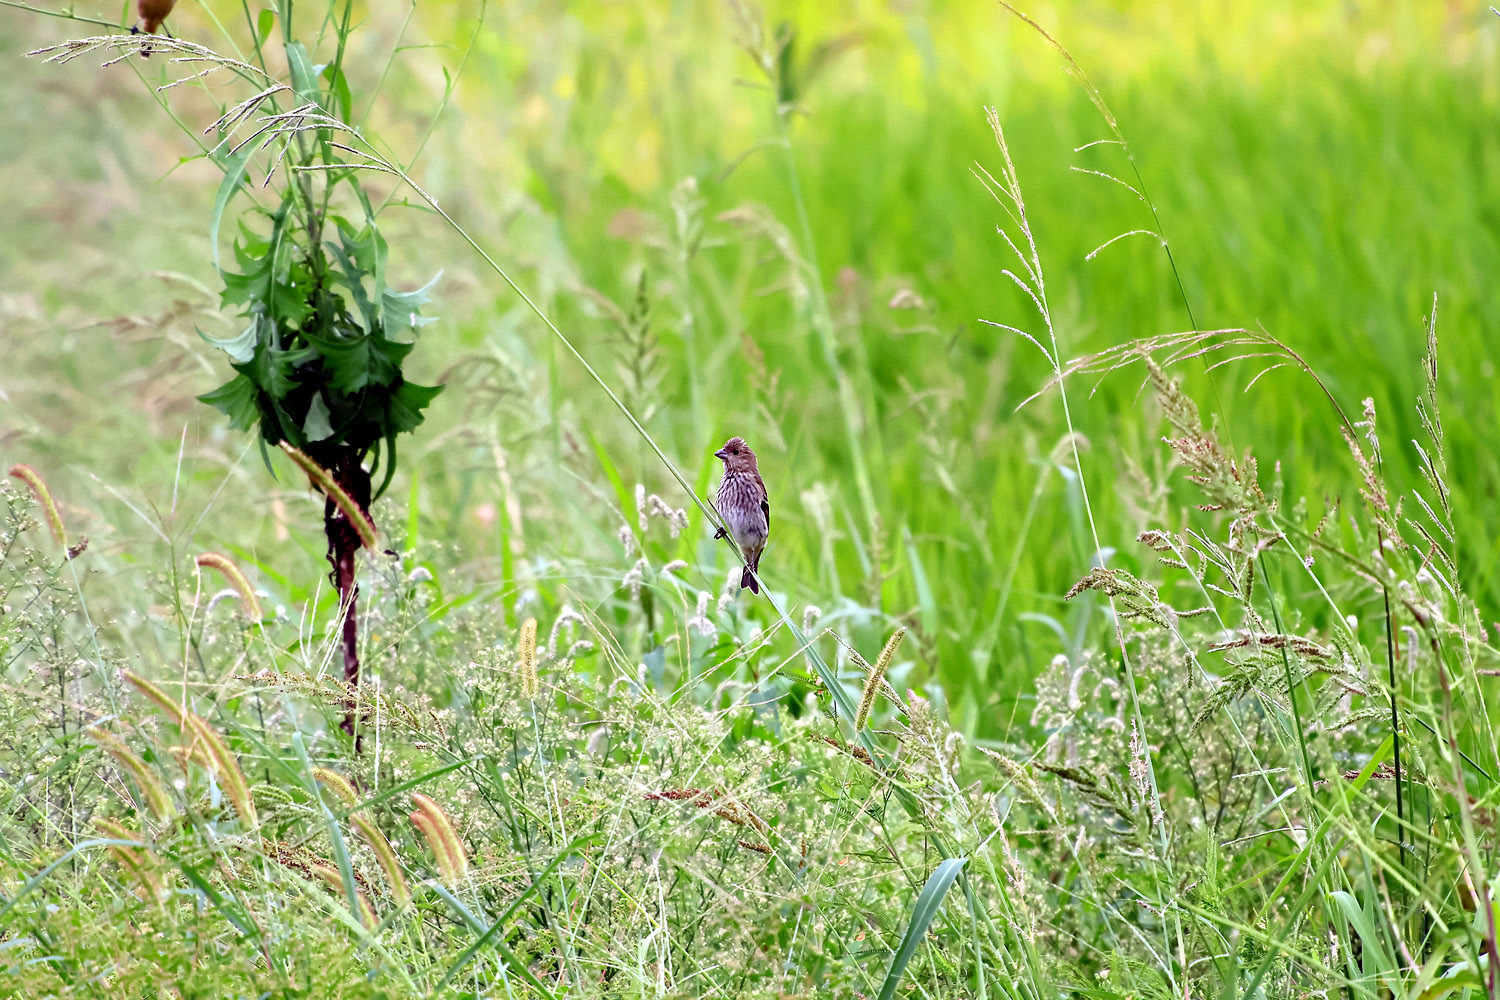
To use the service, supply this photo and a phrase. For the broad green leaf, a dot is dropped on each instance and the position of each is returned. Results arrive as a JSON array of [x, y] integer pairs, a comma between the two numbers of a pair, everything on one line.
[[338, 87], [1377, 961], [265, 24], [236, 399], [304, 77], [929, 901]]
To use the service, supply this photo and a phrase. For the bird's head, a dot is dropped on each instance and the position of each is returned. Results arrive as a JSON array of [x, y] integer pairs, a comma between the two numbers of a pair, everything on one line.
[[736, 456]]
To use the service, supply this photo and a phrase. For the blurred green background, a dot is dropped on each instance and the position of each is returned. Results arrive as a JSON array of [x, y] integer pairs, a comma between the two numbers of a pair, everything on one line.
[[816, 282]]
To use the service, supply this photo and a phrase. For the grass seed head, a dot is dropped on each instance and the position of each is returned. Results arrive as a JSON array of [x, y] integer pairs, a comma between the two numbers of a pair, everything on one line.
[[877, 675], [526, 655], [249, 603], [447, 848]]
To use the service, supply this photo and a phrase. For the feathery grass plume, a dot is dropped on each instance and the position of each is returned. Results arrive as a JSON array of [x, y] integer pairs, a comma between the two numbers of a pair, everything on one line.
[[157, 696], [877, 674], [724, 805], [337, 784], [324, 481], [385, 856], [330, 874], [249, 603], [38, 486], [526, 654], [452, 862], [152, 790], [140, 861], [211, 749]]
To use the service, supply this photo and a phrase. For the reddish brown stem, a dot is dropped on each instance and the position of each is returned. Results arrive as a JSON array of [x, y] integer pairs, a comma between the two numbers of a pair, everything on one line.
[[343, 547]]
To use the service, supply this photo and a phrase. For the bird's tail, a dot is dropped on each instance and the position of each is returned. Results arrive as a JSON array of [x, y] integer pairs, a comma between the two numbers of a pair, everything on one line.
[[747, 579]]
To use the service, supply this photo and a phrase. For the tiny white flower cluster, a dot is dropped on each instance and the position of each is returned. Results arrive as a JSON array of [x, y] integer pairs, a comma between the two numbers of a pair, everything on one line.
[[700, 622], [635, 577], [647, 507]]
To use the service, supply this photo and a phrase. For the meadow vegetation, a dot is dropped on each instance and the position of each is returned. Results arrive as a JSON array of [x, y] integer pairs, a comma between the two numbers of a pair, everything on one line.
[[1123, 408]]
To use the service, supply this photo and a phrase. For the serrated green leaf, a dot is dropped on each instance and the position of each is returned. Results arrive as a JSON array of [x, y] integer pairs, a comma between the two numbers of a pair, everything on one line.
[[398, 310], [238, 400], [355, 362], [274, 370], [241, 347], [251, 284], [407, 404], [351, 276]]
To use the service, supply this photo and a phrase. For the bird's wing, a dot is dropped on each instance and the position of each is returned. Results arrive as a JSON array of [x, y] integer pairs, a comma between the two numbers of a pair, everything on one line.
[[765, 508]]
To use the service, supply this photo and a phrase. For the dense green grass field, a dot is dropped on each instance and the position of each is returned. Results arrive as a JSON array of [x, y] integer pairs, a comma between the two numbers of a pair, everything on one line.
[[1253, 755]]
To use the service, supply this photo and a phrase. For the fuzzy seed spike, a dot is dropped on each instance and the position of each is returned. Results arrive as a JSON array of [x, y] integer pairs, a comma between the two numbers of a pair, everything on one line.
[[330, 874], [337, 784], [385, 856], [526, 653], [325, 483], [249, 603], [452, 862], [153, 792], [38, 486], [877, 674], [141, 862], [213, 750], [157, 696]]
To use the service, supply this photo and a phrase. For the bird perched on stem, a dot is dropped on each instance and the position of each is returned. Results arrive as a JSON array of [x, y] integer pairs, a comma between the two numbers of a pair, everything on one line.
[[742, 503], [153, 15]]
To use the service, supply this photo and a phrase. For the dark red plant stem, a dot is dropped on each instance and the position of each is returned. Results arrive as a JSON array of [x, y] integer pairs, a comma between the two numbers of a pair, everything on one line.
[[343, 548]]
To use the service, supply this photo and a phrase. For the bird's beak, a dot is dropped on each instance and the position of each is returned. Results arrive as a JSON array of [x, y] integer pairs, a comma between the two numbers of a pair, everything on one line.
[[721, 453]]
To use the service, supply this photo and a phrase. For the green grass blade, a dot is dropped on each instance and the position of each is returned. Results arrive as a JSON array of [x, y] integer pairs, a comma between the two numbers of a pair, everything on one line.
[[515, 904], [929, 901], [235, 168]]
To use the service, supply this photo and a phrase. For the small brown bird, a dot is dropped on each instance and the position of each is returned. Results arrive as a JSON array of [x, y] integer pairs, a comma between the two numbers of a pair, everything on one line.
[[742, 503], [153, 15]]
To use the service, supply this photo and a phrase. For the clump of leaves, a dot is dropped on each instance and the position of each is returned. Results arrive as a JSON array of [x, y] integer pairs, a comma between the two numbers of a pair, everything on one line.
[[319, 364]]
